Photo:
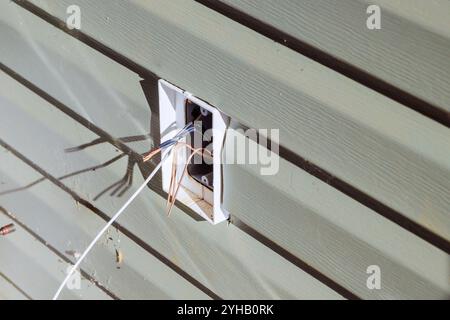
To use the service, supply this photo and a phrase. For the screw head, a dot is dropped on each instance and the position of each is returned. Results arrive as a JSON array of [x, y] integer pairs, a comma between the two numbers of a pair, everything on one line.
[[204, 112]]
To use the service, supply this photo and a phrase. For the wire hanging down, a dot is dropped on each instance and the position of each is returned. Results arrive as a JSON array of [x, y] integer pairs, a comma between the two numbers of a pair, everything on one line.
[[169, 144]]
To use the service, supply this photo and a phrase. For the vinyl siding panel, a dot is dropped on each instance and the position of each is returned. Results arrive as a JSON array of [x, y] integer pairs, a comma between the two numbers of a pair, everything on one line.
[[410, 51], [68, 226], [335, 234], [363, 178], [35, 269], [387, 151], [9, 291], [214, 256]]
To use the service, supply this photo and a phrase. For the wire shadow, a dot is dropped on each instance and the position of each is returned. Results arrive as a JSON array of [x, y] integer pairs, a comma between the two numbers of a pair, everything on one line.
[[120, 187], [93, 168], [124, 184], [103, 140]]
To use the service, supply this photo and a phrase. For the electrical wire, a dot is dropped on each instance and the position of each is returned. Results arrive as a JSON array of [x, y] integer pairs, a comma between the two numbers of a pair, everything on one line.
[[188, 128], [169, 144], [110, 222], [174, 186]]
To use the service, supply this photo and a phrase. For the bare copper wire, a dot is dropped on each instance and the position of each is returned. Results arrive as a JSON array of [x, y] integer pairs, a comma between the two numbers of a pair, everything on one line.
[[174, 186], [9, 228], [151, 154], [173, 191]]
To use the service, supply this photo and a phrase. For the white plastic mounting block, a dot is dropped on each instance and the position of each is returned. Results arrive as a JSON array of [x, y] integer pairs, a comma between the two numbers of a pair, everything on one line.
[[172, 114]]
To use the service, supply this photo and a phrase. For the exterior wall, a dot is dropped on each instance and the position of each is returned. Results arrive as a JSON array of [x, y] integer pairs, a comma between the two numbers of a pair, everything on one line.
[[363, 177]]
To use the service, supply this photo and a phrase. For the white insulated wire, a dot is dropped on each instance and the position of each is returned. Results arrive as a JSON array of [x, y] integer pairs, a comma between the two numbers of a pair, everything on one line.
[[110, 222]]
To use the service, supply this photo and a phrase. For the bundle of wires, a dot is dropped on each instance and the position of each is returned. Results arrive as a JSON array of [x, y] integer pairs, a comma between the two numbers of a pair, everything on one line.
[[188, 128], [181, 134], [166, 145]]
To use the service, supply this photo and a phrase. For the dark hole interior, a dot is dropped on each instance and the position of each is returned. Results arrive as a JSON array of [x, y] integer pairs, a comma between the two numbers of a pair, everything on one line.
[[201, 172]]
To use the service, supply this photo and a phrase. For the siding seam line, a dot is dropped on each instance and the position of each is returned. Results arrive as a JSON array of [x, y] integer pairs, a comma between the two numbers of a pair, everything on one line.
[[245, 228], [105, 217], [288, 155], [327, 59], [11, 282]]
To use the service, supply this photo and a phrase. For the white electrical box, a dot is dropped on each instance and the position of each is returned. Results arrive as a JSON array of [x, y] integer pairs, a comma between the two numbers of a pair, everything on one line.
[[201, 187]]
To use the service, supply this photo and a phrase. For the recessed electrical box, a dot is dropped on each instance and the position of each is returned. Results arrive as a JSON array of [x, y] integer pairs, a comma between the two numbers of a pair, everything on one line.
[[201, 185]]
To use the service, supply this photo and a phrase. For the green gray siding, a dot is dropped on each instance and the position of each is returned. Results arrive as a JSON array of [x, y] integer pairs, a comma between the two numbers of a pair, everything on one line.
[[294, 235]]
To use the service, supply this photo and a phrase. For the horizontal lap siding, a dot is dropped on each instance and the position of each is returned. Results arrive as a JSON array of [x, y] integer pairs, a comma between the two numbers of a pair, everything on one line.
[[9, 291], [116, 83], [333, 233], [69, 227], [31, 266], [410, 51], [90, 84], [223, 258], [380, 147], [394, 154]]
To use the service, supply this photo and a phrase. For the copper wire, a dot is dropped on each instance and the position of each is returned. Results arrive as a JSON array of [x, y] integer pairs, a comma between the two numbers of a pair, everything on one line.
[[174, 187]]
